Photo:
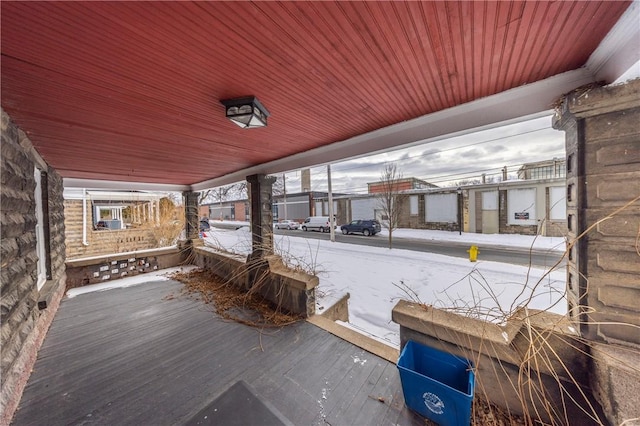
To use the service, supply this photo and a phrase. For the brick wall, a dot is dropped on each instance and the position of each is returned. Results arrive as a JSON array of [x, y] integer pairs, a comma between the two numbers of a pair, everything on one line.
[[24, 324], [399, 185], [203, 211], [105, 241], [240, 209]]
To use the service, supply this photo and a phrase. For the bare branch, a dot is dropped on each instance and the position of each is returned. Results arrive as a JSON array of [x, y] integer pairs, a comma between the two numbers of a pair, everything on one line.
[[390, 199]]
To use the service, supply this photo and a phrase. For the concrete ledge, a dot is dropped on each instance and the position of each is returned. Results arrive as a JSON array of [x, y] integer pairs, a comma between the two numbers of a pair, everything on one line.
[[358, 339], [616, 382], [291, 290], [533, 365], [339, 311], [94, 270], [87, 261]]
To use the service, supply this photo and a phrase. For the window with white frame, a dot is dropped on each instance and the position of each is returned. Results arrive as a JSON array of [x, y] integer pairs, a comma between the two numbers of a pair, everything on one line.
[[441, 208], [490, 200], [521, 206], [557, 203], [41, 251], [413, 205]]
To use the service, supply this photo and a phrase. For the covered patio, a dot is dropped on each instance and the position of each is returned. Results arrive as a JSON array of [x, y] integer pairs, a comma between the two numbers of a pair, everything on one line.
[[137, 96]]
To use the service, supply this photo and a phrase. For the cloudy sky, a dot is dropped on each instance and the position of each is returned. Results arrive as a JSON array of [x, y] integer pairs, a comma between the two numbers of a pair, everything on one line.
[[449, 161]]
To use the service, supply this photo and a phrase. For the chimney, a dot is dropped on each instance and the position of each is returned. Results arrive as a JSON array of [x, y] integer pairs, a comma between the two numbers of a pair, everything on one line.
[[305, 180]]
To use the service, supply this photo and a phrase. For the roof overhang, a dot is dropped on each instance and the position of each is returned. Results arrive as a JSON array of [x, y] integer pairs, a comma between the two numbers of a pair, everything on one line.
[[145, 114]]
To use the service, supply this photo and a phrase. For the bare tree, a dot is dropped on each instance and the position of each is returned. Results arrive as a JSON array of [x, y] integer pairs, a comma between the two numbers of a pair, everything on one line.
[[390, 199]]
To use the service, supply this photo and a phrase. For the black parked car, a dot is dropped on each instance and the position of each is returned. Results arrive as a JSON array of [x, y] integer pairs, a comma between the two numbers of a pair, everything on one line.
[[366, 227]]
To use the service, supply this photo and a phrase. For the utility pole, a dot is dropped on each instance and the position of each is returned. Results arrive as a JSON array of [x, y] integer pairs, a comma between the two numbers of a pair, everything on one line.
[[332, 229], [284, 188], [459, 192]]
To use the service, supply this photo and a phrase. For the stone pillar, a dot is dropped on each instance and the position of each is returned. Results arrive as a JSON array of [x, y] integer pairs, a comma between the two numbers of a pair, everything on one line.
[[260, 197], [603, 176], [603, 218], [191, 215]]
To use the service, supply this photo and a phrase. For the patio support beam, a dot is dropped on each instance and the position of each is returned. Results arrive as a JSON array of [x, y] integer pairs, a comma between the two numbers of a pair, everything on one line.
[[190, 215], [260, 198]]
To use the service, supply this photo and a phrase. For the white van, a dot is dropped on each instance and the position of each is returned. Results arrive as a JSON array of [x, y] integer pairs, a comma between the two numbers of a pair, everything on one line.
[[317, 223]]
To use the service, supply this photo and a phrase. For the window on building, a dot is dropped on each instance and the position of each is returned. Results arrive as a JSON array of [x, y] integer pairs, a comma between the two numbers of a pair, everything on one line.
[[555, 170], [557, 203], [545, 172], [109, 216], [521, 206], [41, 250], [413, 205]]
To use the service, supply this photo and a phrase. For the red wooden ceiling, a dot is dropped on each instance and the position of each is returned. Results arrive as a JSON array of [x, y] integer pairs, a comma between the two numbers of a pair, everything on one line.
[[130, 91]]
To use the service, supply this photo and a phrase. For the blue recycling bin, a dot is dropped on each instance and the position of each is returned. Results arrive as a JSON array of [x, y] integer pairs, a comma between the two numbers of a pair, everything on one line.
[[436, 384]]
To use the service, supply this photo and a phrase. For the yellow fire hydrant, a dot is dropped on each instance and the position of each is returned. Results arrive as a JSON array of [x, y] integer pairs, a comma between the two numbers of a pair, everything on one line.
[[473, 253]]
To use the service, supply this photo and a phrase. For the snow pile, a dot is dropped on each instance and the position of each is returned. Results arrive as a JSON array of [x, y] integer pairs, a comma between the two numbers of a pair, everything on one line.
[[377, 277]]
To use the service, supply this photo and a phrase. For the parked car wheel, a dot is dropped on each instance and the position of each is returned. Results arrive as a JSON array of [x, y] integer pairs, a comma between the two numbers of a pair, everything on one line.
[[345, 232], [366, 232], [304, 228]]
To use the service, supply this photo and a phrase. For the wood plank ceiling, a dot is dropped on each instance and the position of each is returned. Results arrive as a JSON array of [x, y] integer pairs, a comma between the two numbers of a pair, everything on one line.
[[130, 91]]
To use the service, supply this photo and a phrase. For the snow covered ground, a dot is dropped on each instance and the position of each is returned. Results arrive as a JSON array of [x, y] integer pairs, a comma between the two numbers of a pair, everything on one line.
[[377, 277]]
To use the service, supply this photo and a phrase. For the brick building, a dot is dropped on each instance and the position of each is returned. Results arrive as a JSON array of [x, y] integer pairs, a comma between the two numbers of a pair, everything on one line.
[[404, 184]]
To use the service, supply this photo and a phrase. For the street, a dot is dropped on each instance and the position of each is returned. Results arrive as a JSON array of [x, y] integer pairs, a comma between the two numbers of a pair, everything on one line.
[[511, 255]]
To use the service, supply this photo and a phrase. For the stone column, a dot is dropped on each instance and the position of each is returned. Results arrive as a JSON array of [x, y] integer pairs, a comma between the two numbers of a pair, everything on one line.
[[603, 218], [260, 197], [603, 179], [191, 214]]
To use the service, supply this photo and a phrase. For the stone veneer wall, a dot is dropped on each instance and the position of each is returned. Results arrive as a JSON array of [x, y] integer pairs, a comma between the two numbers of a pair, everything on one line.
[[26, 312]]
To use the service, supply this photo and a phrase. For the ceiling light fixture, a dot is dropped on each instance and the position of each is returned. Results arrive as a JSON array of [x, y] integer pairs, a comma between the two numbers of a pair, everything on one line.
[[246, 112]]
